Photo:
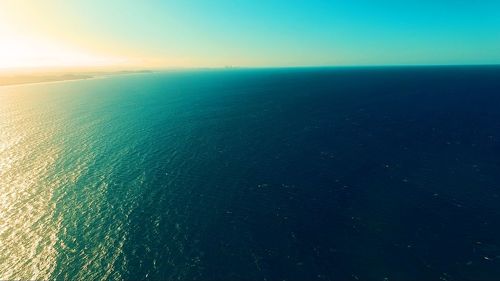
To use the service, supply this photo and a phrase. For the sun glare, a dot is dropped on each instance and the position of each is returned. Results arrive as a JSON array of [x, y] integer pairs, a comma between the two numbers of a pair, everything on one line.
[[23, 51], [19, 52]]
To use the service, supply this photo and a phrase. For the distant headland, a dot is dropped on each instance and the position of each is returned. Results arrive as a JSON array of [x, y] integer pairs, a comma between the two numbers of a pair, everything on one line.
[[30, 78]]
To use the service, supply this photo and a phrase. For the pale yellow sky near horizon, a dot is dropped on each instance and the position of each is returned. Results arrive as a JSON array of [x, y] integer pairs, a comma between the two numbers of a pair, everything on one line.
[[52, 36], [34, 38]]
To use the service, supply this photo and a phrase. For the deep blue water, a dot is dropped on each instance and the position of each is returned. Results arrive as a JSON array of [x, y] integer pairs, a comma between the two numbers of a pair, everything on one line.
[[296, 174]]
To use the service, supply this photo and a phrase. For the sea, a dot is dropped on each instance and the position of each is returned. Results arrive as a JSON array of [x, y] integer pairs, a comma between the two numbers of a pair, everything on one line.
[[354, 173]]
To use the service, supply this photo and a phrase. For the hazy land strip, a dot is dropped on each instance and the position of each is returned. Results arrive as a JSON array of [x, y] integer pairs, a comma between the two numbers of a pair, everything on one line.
[[17, 79]]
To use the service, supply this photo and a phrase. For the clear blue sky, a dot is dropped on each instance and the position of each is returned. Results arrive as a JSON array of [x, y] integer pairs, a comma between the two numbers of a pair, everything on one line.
[[285, 32]]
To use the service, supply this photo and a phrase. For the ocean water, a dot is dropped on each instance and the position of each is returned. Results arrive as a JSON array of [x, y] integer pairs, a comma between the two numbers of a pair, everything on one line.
[[257, 174]]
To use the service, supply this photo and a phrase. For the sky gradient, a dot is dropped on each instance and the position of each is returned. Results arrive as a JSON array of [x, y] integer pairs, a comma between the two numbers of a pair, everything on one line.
[[202, 33]]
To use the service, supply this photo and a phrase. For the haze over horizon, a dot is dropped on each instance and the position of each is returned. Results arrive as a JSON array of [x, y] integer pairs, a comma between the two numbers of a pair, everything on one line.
[[52, 34]]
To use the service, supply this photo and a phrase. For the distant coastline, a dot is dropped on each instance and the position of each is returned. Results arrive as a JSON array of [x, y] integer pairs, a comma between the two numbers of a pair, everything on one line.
[[19, 79]]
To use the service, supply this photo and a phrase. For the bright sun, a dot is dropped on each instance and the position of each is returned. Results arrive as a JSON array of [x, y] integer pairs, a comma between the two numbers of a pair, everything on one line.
[[20, 51]]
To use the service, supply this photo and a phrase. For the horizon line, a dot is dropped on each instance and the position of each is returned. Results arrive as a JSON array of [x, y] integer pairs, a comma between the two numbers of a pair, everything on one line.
[[33, 70], [57, 76]]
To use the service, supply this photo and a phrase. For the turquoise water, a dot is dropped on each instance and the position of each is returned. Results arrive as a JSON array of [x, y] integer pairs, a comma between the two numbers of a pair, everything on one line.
[[253, 174]]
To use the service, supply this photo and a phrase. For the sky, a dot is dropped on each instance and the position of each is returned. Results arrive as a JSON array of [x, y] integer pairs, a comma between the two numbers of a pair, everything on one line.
[[246, 33]]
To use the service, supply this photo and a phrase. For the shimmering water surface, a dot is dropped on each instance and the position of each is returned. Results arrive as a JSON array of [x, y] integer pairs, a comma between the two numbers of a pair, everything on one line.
[[375, 173]]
